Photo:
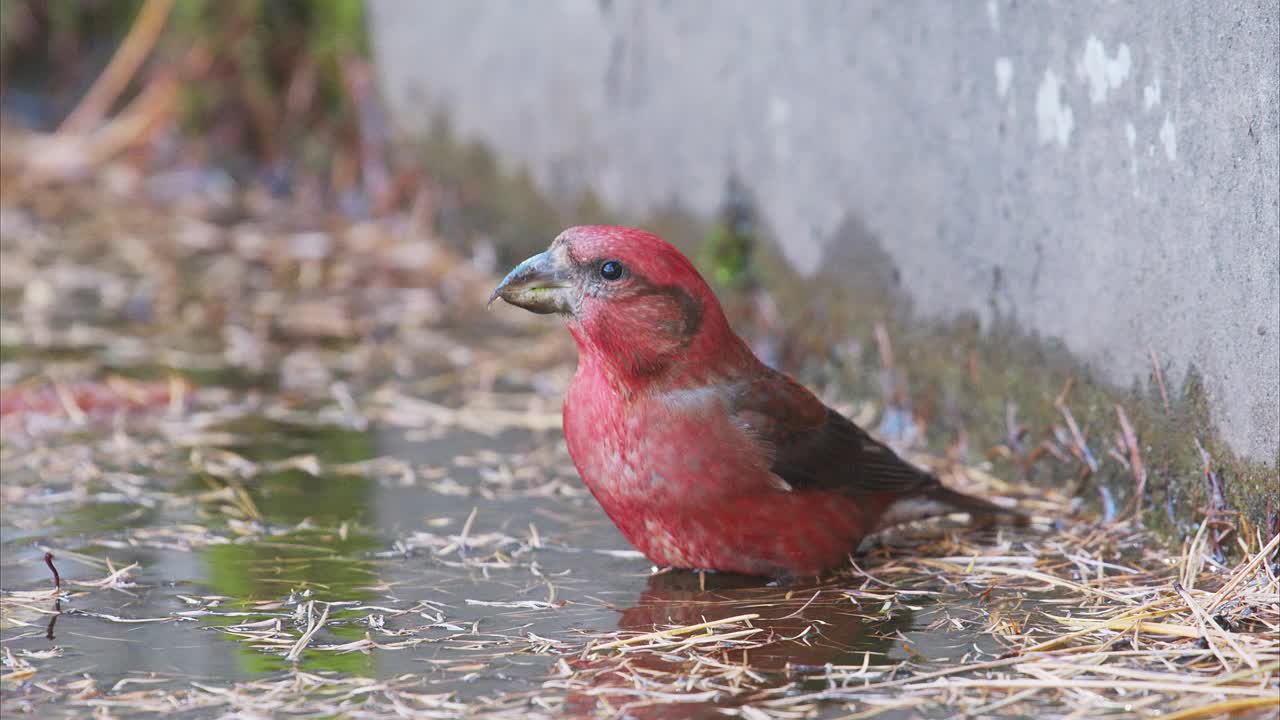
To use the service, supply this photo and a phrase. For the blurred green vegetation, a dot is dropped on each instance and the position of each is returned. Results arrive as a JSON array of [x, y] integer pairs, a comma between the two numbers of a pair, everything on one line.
[[48, 31], [46, 46], [277, 65], [729, 247], [278, 73]]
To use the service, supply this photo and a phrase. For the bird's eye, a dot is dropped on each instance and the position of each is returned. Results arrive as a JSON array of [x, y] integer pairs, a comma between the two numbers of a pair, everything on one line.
[[611, 270]]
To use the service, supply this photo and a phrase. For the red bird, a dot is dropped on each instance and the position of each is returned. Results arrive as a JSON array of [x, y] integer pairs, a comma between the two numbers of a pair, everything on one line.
[[704, 457]]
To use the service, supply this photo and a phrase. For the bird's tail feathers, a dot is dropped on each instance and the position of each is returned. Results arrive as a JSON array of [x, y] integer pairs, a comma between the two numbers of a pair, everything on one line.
[[940, 500], [975, 506]]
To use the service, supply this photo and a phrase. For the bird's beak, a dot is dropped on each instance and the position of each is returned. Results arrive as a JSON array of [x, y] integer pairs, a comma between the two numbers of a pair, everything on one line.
[[540, 284]]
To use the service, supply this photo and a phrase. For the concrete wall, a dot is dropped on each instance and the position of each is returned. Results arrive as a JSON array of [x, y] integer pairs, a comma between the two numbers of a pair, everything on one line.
[[1106, 172]]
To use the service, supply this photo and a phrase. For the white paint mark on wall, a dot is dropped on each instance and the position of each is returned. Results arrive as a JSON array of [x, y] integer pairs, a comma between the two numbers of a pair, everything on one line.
[[779, 116], [1054, 119], [1004, 75], [1169, 138], [993, 14], [779, 111], [1118, 67], [1131, 134], [1103, 73], [1151, 95]]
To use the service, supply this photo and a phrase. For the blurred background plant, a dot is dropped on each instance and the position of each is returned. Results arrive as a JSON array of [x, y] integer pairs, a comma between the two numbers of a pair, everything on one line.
[[272, 92]]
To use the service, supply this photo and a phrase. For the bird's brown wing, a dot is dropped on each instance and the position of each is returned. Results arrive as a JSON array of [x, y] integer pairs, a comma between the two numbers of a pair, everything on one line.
[[813, 447]]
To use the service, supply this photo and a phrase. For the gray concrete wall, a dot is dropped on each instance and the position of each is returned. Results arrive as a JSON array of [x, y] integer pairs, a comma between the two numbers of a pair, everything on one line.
[[1106, 172]]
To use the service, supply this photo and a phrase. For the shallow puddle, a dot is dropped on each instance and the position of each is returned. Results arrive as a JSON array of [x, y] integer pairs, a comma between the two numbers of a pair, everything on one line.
[[453, 568]]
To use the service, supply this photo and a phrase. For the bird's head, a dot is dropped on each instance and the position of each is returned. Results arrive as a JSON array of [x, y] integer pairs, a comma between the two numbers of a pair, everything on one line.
[[633, 302]]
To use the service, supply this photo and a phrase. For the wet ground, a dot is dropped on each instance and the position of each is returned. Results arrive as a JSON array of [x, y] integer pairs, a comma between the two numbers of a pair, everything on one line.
[[286, 472], [474, 562]]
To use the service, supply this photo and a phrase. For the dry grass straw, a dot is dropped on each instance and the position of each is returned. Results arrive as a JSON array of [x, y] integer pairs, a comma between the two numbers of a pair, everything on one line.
[[1114, 656]]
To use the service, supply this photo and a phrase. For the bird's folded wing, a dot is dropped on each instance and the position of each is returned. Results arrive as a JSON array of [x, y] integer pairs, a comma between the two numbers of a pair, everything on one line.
[[812, 447]]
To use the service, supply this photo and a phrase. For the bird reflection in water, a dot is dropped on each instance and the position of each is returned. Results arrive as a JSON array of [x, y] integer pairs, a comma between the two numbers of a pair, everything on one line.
[[802, 629]]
